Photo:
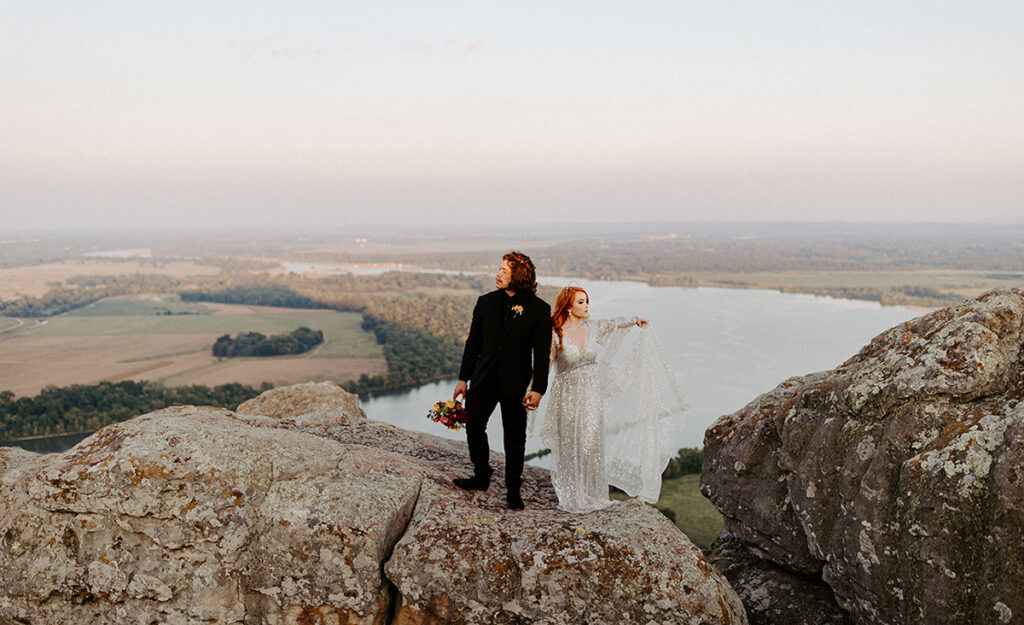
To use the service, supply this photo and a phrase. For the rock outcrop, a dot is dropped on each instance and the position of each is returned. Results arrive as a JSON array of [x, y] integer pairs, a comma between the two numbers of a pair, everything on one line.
[[898, 476], [296, 509], [771, 594]]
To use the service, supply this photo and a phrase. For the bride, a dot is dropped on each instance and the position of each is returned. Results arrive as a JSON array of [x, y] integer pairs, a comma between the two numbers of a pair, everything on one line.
[[614, 421]]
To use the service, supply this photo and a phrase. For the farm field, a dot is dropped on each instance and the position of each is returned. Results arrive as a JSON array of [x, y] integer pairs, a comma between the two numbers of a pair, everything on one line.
[[160, 338], [36, 279]]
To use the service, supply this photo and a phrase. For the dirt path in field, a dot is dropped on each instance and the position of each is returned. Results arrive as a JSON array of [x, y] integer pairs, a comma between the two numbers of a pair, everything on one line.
[[14, 327]]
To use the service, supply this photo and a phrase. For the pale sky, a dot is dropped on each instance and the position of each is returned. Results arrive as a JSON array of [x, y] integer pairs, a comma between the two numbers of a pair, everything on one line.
[[179, 113]]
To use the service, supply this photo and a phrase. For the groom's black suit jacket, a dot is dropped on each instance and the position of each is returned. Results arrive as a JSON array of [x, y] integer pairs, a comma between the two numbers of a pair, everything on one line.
[[507, 345]]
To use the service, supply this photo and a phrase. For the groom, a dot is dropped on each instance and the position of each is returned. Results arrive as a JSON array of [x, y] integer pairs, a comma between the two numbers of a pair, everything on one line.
[[509, 344]]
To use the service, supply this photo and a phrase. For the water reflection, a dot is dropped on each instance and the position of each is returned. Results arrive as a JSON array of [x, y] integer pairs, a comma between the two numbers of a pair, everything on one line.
[[49, 444]]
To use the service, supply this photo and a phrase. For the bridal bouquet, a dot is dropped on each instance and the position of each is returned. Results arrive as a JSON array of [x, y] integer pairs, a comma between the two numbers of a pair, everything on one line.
[[449, 413]]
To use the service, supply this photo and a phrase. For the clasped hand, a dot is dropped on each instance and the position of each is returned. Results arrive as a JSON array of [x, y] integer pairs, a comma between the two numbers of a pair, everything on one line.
[[532, 400]]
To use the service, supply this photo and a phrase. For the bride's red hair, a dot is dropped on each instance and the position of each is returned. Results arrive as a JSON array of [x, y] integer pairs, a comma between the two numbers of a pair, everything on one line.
[[563, 304]]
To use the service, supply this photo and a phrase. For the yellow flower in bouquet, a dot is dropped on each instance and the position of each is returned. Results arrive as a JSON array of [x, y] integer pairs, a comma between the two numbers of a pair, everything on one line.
[[449, 413]]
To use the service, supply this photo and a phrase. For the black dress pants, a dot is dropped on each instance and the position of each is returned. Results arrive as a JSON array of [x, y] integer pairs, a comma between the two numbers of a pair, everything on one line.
[[480, 404]]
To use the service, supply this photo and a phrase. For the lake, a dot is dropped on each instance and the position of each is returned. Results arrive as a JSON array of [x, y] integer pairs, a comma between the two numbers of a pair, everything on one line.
[[726, 347]]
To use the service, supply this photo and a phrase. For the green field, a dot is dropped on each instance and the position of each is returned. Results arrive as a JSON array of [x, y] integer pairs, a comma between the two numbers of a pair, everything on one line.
[[343, 332], [695, 515]]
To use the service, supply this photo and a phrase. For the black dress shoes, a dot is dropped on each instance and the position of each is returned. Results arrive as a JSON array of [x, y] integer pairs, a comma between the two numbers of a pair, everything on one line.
[[515, 502], [472, 483]]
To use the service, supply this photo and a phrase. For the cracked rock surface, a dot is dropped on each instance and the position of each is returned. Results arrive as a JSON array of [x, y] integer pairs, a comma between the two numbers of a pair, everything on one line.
[[772, 595], [296, 509], [897, 477]]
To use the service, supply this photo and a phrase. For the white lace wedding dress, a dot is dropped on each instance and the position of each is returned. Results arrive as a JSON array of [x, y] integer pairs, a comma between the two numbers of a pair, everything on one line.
[[614, 420]]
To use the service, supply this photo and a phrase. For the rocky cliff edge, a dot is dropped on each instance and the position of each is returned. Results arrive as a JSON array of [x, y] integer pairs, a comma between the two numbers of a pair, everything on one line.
[[897, 478], [296, 509]]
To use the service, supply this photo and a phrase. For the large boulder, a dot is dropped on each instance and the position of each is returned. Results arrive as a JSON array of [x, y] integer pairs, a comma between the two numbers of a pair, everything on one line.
[[315, 514], [299, 400], [191, 514], [898, 476], [466, 560]]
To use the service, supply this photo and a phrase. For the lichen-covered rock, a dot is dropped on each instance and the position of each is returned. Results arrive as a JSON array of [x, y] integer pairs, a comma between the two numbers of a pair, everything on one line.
[[323, 398], [194, 515], [899, 476], [462, 562], [466, 558], [771, 594], [201, 515]]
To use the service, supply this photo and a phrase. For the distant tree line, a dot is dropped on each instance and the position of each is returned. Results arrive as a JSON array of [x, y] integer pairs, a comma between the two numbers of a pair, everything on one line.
[[85, 408], [256, 344], [895, 296], [298, 291], [683, 248], [80, 291], [688, 461], [254, 295], [694, 255]]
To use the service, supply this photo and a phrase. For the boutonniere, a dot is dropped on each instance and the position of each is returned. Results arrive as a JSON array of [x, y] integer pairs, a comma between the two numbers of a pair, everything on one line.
[[517, 310]]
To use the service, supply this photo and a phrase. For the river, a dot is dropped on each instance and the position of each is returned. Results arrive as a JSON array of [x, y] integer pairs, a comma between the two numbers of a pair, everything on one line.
[[726, 347]]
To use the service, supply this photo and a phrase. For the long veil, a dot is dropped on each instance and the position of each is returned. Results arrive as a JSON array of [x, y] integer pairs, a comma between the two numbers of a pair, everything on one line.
[[643, 410]]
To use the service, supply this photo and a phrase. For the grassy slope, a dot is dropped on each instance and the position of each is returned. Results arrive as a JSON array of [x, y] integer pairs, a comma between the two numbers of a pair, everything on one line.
[[695, 515]]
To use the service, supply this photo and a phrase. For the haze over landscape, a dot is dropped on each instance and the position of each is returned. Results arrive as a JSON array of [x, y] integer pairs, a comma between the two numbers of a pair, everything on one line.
[[155, 115]]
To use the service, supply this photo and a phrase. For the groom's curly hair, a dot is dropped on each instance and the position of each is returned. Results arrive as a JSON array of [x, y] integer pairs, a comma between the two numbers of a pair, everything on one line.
[[524, 274]]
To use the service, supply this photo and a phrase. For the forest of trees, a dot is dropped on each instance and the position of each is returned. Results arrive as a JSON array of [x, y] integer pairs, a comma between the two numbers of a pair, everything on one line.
[[688, 461], [254, 295], [84, 408], [298, 341]]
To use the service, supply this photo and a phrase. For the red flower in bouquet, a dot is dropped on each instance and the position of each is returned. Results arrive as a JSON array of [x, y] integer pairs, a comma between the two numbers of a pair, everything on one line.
[[449, 413]]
